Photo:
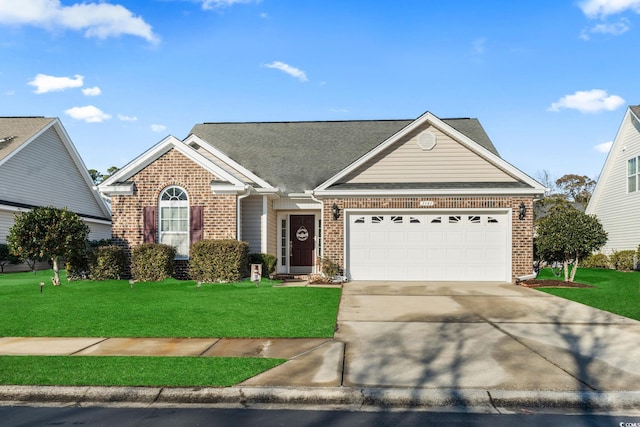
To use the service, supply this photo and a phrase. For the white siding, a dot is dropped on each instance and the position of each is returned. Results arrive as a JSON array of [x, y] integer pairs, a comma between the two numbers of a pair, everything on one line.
[[617, 210], [43, 173], [98, 231], [272, 230], [448, 161], [6, 221], [251, 212]]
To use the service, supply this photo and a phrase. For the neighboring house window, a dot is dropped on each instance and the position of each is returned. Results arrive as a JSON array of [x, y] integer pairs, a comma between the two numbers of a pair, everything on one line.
[[181, 225], [174, 220], [633, 174]]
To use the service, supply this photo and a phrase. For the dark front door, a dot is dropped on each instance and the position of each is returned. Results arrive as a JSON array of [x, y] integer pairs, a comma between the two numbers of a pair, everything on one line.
[[302, 235]]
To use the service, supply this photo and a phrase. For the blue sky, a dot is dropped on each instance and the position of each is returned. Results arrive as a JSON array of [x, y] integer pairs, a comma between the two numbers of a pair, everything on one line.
[[550, 80]]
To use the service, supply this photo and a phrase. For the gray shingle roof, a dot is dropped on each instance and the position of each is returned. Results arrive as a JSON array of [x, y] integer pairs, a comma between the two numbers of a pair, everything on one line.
[[14, 131], [635, 109], [299, 156]]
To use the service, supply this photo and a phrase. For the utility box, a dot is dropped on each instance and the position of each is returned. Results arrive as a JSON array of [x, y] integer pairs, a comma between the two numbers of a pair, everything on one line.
[[256, 272]]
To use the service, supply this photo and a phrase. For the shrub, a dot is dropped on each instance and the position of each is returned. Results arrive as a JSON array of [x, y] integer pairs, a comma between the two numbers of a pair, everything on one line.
[[622, 260], [6, 257], [329, 267], [268, 262], [152, 262], [107, 262], [596, 261], [225, 260], [78, 264]]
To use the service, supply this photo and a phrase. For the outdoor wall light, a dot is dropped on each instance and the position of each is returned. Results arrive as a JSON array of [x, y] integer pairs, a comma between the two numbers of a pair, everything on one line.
[[336, 212], [523, 211]]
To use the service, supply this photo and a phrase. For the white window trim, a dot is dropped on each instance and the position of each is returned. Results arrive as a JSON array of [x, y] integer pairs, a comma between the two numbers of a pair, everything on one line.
[[172, 204]]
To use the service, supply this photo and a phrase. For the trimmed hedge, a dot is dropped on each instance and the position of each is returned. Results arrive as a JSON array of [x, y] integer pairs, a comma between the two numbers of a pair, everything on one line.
[[224, 260], [107, 262], [622, 260], [78, 266], [595, 261], [152, 262], [268, 262]]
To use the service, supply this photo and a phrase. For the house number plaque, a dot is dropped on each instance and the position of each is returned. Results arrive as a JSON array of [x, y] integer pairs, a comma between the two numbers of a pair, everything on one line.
[[302, 234]]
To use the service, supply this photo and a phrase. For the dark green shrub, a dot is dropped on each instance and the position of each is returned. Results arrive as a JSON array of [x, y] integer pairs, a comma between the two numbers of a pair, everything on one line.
[[107, 262], [268, 262], [78, 264], [622, 260], [225, 260], [6, 257], [152, 262], [596, 261]]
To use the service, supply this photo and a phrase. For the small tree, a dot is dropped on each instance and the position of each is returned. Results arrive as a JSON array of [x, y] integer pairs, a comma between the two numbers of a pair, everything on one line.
[[48, 233], [568, 235]]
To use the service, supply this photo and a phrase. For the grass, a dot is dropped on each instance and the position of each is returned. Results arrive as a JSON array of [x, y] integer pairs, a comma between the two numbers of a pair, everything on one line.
[[130, 371], [171, 308], [614, 291]]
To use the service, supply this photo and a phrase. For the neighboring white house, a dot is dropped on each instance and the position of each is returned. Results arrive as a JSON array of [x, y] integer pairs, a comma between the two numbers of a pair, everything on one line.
[[39, 166], [616, 198]]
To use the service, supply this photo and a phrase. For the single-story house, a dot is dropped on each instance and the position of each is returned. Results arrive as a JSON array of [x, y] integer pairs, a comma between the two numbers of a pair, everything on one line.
[[39, 166], [425, 200], [616, 198]]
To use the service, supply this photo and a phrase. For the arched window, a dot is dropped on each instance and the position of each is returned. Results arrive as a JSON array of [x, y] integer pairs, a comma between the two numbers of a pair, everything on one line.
[[174, 220]]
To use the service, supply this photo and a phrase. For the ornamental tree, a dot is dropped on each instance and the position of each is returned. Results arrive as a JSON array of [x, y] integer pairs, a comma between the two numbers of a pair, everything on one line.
[[48, 233], [568, 235]]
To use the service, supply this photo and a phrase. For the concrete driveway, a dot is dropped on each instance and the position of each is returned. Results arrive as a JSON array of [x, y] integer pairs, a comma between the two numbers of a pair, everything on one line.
[[482, 336]]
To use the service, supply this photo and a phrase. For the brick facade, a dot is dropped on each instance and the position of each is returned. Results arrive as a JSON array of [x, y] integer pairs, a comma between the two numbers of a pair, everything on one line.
[[521, 230], [172, 168]]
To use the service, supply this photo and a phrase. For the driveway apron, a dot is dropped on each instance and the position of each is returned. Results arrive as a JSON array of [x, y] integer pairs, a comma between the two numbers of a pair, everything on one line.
[[482, 336]]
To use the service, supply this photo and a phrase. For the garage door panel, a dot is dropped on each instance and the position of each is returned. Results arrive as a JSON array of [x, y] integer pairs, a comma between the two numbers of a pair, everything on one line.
[[397, 246]]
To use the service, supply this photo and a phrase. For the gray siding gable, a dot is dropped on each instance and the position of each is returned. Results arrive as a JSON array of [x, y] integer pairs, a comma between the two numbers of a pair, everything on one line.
[[41, 171], [299, 156]]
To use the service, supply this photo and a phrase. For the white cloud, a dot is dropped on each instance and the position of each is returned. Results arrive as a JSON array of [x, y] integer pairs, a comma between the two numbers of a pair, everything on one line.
[[591, 101], [216, 4], [101, 20], [89, 114], [615, 29], [44, 83], [124, 118], [92, 91], [10, 92], [292, 71], [604, 147], [604, 8], [158, 128]]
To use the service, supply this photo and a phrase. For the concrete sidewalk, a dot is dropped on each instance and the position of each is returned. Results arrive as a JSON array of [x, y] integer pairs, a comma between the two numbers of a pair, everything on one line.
[[487, 346]]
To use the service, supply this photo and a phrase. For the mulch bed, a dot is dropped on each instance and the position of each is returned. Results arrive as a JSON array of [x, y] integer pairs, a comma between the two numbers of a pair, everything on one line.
[[535, 283]]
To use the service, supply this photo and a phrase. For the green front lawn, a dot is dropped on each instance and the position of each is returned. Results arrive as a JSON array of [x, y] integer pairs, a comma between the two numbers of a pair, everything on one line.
[[131, 371], [171, 308], [614, 291]]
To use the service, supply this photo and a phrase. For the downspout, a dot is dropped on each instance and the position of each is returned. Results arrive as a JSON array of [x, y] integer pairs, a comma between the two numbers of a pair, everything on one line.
[[247, 193], [313, 197]]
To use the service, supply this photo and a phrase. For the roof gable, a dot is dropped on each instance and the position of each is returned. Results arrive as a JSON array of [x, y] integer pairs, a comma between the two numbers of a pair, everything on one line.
[[626, 144], [42, 153], [16, 131], [500, 170], [155, 152]]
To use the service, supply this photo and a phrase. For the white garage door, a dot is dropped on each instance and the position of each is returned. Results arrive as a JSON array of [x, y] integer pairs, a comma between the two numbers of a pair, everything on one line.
[[465, 246]]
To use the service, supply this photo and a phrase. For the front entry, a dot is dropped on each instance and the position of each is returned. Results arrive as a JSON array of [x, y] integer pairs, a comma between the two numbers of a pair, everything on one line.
[[302, 235]]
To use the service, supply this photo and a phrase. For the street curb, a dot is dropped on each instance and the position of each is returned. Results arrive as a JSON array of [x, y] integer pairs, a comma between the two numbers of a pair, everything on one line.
[[330, 396]]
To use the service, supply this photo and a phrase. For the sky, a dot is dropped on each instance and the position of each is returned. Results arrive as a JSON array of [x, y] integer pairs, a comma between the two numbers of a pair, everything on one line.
[[550, 80]]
